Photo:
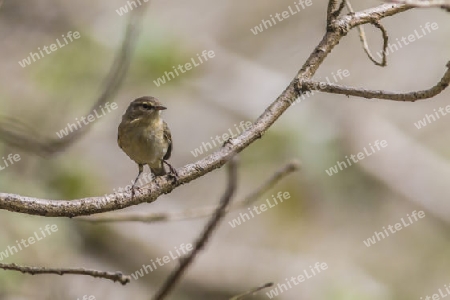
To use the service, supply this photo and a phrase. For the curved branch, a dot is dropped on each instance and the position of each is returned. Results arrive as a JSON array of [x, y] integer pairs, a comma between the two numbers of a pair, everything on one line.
[[363, 38], [369, 94], [165, 184]]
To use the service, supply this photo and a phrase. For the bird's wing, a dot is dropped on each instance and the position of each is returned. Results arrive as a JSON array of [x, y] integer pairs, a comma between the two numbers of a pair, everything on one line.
[[168, 138]]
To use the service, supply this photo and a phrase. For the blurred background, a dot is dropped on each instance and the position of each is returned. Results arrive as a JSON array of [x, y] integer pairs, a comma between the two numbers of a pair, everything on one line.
[[327, 218]]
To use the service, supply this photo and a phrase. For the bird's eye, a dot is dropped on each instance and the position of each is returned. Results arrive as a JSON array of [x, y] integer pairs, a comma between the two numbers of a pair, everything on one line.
[[146, 106]]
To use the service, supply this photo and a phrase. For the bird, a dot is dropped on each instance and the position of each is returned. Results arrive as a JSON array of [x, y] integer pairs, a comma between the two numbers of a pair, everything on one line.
[[145, 137]]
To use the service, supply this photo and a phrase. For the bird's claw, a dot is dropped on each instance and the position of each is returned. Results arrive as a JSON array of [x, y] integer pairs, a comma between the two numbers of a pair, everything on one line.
[[133, 190], [228, 141], [173, 172]]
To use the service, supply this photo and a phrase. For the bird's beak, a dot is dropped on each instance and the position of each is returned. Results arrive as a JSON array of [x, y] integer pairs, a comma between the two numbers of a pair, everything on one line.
[[160, 107]]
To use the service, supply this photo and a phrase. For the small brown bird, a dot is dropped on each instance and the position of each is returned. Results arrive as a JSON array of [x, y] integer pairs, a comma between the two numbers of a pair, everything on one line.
[[145, 137]]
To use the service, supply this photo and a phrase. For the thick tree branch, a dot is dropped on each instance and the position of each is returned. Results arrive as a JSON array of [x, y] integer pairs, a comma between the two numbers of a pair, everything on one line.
[[163, 185], [369, 94], [196, 212], [212, 224], [114, 276]]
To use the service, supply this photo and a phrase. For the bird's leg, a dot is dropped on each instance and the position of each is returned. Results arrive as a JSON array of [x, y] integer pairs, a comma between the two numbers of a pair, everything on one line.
[[141, 169], [173, 172]]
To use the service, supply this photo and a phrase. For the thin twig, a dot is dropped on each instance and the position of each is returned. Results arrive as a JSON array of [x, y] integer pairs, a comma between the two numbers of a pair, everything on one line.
[[197, 212], [114, 276], [201, 241], [385, 95], [363, 38], [252, 291]]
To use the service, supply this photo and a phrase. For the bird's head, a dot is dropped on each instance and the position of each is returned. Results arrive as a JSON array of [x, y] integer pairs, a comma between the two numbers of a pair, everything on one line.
[[144, 108]]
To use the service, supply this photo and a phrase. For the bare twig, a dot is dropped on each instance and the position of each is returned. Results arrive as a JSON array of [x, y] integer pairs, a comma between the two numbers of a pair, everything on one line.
[[114, 276], [201, 241], [252, 291], [369, 94], [363, 38], [197, 212]]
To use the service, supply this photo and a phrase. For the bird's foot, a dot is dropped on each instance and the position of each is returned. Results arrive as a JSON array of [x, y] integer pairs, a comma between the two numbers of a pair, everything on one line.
[[228, 141], [173, 172], [133, 191]]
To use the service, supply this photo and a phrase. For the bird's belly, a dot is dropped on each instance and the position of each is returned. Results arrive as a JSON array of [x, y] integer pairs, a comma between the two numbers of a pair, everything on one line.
[[147, 148]]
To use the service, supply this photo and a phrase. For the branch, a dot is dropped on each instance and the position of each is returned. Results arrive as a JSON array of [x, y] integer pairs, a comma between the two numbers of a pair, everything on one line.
[[369, 94], [212, 224], [117, 276], [363, 38], [252, 291], [198, 212], [338, 11], [331, 11], [165, 184], [424, 4]]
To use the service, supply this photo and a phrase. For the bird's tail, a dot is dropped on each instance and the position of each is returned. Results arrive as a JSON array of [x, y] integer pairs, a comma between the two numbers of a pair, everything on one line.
[[160, 171]]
